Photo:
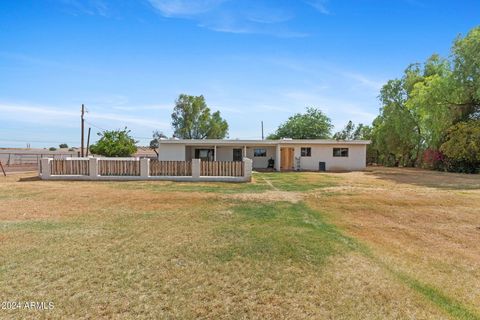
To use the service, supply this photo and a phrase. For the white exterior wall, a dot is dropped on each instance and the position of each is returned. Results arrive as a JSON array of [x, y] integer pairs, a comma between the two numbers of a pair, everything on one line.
[[261, 162], [356, 160], [225, 153], [171, 152]]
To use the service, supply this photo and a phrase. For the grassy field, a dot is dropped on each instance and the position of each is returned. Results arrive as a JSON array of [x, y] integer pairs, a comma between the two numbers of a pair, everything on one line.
[[380, 244]]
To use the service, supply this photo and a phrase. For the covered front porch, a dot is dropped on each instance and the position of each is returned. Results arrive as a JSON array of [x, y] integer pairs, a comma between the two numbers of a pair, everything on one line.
[[264, 156]]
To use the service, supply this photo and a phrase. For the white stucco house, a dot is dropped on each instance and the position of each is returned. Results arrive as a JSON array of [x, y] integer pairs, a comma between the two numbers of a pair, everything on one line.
[[281, 155]]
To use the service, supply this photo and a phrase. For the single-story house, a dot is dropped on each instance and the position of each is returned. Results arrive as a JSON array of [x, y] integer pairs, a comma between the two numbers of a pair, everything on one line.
[[281, 155]]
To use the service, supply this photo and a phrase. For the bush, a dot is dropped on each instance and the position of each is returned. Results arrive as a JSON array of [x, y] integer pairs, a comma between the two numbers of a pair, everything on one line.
[[457, 166], [462, 147], [433, 159], [115, 143]]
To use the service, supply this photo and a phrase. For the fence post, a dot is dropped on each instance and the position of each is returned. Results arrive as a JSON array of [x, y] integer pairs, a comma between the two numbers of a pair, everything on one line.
[[46, 173], [93, 168], [247, 169], [196, 168], [145, 167]]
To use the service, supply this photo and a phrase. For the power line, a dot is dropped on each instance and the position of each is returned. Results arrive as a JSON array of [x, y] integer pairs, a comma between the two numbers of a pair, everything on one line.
[[95, 126], [102, 129]]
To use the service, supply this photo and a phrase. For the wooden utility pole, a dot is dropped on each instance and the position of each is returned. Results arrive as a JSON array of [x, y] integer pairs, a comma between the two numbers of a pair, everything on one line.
[[1, 166], [262, 130], [83, 125], [88, 141]]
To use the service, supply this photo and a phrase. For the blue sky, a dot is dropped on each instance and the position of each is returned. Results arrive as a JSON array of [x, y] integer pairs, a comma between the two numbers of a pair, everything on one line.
[[253, 60]]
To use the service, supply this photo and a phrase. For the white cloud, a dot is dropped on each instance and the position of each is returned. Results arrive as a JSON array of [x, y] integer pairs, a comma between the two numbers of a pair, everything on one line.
[[89, 7], [242, 17], [323, 69], [172, 8], [319, 5], [364, 80], [69, 117], [146, 107]]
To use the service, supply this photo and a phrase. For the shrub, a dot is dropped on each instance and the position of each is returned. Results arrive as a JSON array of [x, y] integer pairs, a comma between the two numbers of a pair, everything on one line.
[[115, 143], [433, 159]]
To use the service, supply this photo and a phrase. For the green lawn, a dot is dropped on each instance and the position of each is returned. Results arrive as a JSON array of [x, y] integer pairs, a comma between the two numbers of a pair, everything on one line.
[[290, 245]]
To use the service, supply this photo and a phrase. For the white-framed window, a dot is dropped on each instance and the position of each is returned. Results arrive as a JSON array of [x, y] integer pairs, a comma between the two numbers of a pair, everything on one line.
[[306, 152], [340, 152], [259, 152]]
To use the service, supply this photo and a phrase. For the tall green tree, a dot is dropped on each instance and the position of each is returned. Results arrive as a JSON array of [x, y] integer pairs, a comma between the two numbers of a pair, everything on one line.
[[353, 132], [115, 143], [192, 119], [466, 74], [396, 133], [419, 108], [313, 124], [427, 101]]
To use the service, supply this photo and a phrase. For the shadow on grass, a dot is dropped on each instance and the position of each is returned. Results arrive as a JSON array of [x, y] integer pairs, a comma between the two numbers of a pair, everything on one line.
[[427, 178], [261, 182], [28, 179]]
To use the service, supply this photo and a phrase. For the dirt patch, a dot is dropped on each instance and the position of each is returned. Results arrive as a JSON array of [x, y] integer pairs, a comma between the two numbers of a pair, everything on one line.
[[271, 196]]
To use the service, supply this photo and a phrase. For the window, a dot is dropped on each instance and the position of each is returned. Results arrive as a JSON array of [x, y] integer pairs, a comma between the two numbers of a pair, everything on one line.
[[205, 154], [306, 152], [237, 154], [260, 152], [340, 152]]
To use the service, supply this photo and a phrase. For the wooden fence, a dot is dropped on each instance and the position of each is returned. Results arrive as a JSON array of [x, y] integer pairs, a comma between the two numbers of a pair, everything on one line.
[[221, 168], [118, 167], [69, 167], [170, 168], [144, 169]]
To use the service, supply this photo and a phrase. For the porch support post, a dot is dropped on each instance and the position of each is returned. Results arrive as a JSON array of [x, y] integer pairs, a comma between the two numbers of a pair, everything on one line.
[[244, 151], [215, 153], [278, 157]]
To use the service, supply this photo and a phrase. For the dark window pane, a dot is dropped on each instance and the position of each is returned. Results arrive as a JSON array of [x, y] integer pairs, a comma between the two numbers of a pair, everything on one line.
[[306, 152], [340, 152], [260, 152]]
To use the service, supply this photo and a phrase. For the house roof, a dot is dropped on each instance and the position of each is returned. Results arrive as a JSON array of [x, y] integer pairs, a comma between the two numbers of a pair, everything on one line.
[[263, 142]]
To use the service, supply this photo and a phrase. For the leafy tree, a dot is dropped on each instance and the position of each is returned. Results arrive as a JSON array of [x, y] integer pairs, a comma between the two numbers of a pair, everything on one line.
[[419, 108], [462, 146], [396, 133], [313, 124], [63, 145], [466, 73], [115, 143], [52, 149], [192, 119], [352, 132], [427, 101], [154, 144]]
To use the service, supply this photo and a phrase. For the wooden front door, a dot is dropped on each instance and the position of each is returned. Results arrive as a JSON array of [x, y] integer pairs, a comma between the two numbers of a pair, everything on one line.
[[286, 154]]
